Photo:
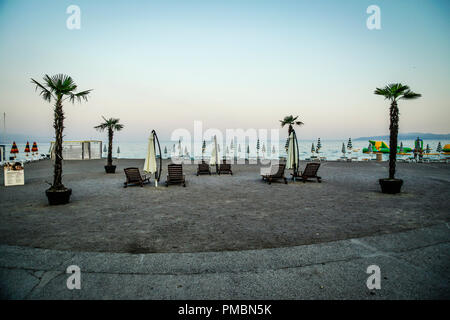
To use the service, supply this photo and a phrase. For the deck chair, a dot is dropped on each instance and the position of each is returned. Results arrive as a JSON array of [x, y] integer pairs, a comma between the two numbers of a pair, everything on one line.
[[225, 167], [309, 172], [275, 173], [134, 177], [203, 168], [175, 175]]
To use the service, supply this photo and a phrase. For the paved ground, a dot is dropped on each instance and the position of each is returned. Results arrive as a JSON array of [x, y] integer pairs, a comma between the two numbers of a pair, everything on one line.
[[217, 213], [414, 265]]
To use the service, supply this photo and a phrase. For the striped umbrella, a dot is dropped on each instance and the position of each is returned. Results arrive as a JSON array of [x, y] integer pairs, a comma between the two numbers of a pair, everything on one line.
[[27, 149], [14, 149], [439, 147], [319, 146], [34, 148], [349, 144]]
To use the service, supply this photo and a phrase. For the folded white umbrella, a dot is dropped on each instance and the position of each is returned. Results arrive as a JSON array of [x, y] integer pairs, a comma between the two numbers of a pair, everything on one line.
[[292, 158], [214, 154], [150, 159]]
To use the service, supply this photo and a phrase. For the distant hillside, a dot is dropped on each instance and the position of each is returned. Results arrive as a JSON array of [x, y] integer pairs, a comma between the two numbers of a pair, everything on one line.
[[410, 136]]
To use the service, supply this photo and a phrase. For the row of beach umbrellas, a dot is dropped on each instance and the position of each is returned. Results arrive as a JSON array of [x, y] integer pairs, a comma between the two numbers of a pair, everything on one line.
[[34, 149]]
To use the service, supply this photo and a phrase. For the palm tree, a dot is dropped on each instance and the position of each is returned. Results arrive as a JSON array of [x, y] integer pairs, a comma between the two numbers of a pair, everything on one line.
[[111, 125], [395, 92], [58, 89], [291, 121]]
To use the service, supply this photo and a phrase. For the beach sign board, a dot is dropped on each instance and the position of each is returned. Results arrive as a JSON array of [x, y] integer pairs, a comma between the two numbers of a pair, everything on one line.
[[14, 174]]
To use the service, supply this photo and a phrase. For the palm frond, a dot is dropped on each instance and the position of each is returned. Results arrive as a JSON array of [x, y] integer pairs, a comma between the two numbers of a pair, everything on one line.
[[409, 95], [45, 93], [80, 95]]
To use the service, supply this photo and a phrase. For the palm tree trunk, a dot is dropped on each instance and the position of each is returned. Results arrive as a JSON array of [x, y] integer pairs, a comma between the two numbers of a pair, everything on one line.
[[110, 144], [393, 128], [58, 124]]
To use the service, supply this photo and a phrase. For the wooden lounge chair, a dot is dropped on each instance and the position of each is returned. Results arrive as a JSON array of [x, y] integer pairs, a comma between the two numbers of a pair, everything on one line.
[[225, 167], [309, 172], [203, 168], [279, 174], [175, 175], [134, 177]]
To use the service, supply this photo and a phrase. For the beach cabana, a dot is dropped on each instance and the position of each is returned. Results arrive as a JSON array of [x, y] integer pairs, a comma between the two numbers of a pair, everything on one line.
[[79, 150], [150, 165], [293, 154]]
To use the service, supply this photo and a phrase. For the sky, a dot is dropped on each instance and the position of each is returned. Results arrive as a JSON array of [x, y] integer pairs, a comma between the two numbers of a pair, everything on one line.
[[230, 64]]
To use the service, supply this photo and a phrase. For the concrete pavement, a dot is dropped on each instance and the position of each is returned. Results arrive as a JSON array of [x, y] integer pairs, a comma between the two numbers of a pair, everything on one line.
[[414, 265]]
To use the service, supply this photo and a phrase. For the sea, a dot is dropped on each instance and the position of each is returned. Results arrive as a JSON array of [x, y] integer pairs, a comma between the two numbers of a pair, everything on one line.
[[330, 149]]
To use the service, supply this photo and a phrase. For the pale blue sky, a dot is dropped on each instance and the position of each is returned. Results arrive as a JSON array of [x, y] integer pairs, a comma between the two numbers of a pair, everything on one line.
[[232, 64]]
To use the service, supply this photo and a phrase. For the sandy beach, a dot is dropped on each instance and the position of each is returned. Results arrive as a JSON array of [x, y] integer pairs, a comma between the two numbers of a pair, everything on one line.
[[217, 213]]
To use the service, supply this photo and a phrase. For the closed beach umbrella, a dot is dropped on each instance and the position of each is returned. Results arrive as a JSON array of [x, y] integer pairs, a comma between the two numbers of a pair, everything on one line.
[[369, 149], [319, 146], [214, 153], [343, 148], [150, 159], [104, 149], [312, 148], [439, 147], [34, 148], [273, 149], [27, 149], [401, 147], [118, 151], [349, 144], [428, 149], [14, 150], [292, 155]]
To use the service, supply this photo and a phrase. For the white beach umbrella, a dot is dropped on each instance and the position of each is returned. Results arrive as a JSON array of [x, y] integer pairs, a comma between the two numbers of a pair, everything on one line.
[[292, 157], [214, 154], [150, 159]]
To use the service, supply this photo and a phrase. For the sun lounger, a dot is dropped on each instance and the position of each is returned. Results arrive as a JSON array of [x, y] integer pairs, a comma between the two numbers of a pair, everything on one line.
[[175, 175], [309, 172], [276, 172], [225, 167], [203, 168], [134, 177]]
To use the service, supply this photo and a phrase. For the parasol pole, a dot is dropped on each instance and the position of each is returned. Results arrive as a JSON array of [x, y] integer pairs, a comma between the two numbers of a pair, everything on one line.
[[158, 173]]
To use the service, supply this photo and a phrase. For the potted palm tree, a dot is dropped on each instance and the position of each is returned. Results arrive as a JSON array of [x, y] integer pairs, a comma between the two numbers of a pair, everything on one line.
[[394, 92], [58, 89], [111, 125], [291, 121]]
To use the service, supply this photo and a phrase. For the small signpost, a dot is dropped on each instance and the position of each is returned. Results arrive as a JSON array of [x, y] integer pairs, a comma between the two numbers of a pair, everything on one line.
[[14, 175]]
